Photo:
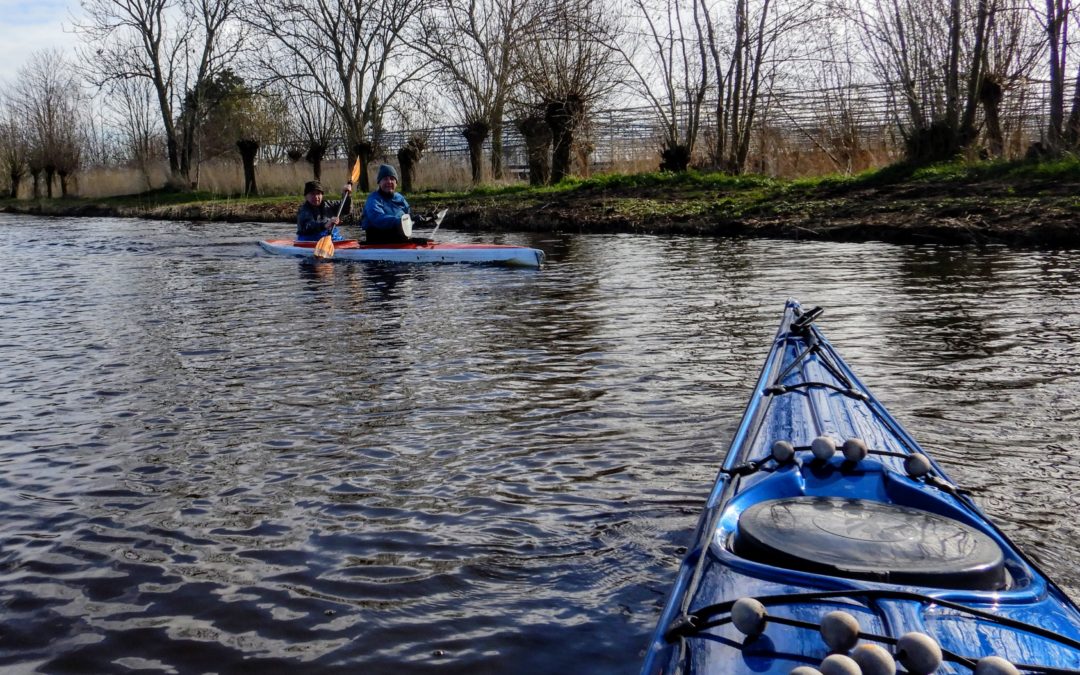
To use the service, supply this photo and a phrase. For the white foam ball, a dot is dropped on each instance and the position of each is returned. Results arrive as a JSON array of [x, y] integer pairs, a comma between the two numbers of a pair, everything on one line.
[[855, 449], [804, 670], [919, 653], [995, 665], [823, 447], [748, 616], [838, 664], [874, 660], [840, 631], [782, 451], [916, 465]]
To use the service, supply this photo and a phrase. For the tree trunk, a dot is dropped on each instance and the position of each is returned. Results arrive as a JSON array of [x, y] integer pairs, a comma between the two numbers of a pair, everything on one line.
[[497, 148], [35, 173], [16, 178], [171, 144], [249, 149], [1072, 127], [315, 153], [952, 79], [562, 116], [968, 132], [408, 157], [1055, 20], [990, 94], [63, 183], [537, 135], [675, 157], [475, 134], [364, 150], [50, 173]]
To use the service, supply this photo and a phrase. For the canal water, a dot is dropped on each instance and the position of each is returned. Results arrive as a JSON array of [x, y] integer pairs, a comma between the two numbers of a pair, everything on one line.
[[217, 460]]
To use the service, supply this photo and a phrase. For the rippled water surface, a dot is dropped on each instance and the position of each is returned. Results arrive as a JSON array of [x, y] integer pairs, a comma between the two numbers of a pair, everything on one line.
[[217, 460]]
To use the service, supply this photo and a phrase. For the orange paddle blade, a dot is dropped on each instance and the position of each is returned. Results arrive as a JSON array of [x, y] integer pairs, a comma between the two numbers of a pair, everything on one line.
[[325, 247], [355, 171]]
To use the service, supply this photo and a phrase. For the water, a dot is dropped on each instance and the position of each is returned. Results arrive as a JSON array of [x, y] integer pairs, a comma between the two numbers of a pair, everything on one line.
[[216, 460]]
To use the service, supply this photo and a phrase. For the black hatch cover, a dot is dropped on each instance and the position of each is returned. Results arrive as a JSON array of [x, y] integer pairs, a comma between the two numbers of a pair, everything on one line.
[[863, 539]]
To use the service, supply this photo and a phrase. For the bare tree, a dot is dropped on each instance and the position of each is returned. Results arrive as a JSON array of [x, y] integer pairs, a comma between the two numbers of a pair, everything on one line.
[[254, 120], [937, 53], [48, 98], [669, 67], [176, 45], [1014, 47], [1055, 22], [133, 106], [317, 125], [14, 147], [1072, 125], [475, 46], [534, 129], [568, 66], [745, 63], [351, 55], [831, 87]]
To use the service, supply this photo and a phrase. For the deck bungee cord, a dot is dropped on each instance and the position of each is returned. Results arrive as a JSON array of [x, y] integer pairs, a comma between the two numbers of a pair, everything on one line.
[[700, 620]]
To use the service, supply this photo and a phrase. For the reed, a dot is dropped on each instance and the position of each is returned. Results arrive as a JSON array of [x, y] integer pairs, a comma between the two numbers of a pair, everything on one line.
[[435, 173]]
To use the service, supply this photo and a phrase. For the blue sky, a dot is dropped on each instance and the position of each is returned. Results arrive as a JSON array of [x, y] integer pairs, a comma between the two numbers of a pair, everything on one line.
[[30, 25]]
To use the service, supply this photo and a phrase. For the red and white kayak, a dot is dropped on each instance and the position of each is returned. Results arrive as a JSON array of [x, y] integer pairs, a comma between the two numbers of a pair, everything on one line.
[[350, 249]]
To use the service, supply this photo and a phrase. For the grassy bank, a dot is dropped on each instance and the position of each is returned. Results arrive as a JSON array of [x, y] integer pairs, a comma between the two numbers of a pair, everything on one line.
[[1004, 202]]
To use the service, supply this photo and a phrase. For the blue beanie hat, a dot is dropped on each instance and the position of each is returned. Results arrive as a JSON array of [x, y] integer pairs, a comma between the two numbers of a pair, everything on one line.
[[386, 170]]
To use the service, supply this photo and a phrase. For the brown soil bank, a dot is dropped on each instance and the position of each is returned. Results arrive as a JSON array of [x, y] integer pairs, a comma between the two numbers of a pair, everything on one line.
[[1013, 204]]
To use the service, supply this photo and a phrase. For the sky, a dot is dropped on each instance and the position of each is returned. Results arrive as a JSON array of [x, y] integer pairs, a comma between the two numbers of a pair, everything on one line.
[[30, 25]]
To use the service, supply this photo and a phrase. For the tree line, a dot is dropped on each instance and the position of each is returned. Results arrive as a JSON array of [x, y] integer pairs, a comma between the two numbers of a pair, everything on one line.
[[187, 80]]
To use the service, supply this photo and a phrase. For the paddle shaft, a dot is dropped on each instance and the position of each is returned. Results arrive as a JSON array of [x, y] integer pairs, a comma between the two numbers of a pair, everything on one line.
[[341, 206], [438, 221]]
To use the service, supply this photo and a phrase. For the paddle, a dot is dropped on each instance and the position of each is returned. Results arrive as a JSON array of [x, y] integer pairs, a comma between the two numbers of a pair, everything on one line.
[[424, 241], [438, 221], [324, 248]]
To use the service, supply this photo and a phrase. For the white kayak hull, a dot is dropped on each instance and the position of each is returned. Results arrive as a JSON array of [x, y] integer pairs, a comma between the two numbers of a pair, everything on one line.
[[517, 256]]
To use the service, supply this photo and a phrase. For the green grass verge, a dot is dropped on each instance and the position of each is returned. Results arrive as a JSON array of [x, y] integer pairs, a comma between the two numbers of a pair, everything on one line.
[[662, 193]]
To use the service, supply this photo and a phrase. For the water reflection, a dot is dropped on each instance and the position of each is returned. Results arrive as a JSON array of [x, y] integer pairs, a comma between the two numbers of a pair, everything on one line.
[[216, 459]]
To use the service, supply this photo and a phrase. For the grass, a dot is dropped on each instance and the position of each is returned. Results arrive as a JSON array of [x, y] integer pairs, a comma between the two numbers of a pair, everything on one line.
[[651, 197]]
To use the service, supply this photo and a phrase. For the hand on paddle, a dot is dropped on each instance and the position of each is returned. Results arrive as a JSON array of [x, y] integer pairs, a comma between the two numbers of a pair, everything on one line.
[[424, 218], [324, 248], [336, 220]]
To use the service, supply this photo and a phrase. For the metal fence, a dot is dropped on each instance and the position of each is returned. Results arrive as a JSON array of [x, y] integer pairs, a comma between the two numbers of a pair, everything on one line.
[[847, 128]]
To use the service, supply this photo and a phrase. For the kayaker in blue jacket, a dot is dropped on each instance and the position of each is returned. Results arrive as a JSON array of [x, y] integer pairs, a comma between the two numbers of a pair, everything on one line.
[[318, 217], [384, 209]]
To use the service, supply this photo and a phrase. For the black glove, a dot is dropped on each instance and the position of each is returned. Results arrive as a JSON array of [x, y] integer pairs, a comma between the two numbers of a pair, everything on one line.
[[421, 219]]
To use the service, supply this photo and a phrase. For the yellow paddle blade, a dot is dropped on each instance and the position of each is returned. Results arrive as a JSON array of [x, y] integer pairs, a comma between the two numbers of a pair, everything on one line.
[[355, 171], [325, 247]]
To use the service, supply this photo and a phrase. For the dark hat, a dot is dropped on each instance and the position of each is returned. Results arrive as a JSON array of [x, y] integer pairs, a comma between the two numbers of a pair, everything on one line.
[[385, 170], [313, 186]]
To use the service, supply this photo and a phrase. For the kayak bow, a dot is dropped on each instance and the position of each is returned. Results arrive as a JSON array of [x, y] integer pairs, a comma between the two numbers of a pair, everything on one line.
[[830, 536], [414, 252]]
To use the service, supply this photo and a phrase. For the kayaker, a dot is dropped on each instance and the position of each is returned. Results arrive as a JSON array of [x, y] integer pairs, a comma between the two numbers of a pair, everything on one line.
[[318, 217], [384, 209]]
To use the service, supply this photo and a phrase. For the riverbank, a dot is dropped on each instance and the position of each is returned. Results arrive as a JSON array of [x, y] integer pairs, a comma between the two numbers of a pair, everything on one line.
[[1017, 203]]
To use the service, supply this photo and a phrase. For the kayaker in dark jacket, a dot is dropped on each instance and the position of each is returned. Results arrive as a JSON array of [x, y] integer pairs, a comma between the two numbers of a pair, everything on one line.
[[384, 209], [318, 217]]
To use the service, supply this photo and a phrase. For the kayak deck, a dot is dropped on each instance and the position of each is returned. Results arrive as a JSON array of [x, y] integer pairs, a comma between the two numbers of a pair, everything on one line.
[[824, 502], [414, 252]]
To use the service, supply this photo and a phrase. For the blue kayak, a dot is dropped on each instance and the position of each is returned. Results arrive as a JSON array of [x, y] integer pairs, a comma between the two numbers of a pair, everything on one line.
[[832, 543]]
